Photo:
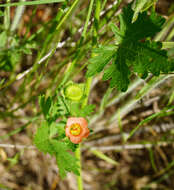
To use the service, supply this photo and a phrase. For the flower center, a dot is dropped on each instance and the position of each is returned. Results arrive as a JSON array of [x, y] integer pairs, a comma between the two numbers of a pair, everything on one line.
[[75, 129]]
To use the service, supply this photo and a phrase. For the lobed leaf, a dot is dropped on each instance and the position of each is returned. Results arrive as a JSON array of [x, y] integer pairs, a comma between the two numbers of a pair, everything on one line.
[[133, 53]]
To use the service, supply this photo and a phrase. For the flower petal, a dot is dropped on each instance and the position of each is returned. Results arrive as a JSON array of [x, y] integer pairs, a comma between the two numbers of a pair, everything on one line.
[[67, 131], [76, 139], [87, 133], [80, 120]]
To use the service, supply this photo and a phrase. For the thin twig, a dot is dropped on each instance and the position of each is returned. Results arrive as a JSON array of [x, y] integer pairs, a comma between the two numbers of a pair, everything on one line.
[[130, 146], [17, 146]]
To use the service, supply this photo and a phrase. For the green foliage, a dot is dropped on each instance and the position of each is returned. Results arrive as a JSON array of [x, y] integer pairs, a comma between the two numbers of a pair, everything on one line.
[[65, 160], [45, 104], [77, 111], [134, 51], [42, 139], [46, 144], [50, 137], [140, 6], [53, 110], [154, 61], [104, 55], [71, 145], [57, 129]]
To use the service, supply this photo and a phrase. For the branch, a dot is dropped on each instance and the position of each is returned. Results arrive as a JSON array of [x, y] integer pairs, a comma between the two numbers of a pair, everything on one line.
[[17, 146]]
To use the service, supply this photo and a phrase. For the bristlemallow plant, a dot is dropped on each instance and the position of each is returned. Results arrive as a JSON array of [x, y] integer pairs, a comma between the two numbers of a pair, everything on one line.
[[64, 127]]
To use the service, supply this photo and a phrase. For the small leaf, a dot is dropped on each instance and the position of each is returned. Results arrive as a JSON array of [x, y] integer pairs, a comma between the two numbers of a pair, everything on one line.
[[140, 6], [45, 105], [53, 129], [77, 111], [117, 32], [57, 129], [87, 110]]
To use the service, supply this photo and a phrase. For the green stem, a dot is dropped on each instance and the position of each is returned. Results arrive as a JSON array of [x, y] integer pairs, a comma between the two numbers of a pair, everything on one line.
[[87, 91], [79, 178], [7, 17], [67, 15], [87, 19], [8, 4], [18, 15], [78, 151]]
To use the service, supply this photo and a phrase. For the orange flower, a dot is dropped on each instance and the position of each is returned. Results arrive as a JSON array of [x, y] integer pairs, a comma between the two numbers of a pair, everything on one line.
[[76, 129]]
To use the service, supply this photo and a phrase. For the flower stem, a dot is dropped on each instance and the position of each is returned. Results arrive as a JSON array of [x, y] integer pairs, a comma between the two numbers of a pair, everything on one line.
[[79, 178], [78, 151]]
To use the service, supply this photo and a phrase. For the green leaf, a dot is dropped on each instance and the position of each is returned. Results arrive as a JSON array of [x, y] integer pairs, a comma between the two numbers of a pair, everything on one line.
[[134, 53], [45, 105], [57, 129], [62, 106], [45, 143], [53, 110], [87, 110], [140, 6], [71, 145], [9, 59], [145, 25], [77, 111], [53, 129], [117, 32], [65, 161], [105, 54], [118, 72], [150, 58], [42, 139]]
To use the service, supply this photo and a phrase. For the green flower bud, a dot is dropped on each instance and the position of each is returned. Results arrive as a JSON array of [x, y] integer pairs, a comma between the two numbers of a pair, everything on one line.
[[74, 91]]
